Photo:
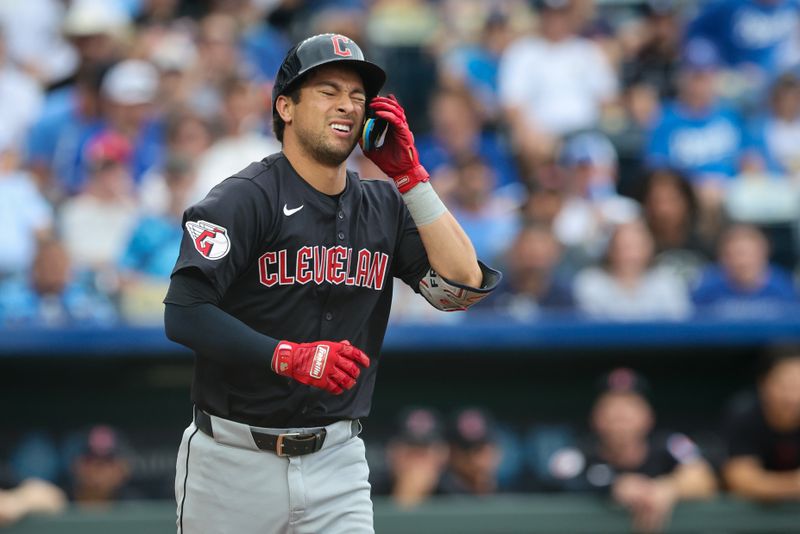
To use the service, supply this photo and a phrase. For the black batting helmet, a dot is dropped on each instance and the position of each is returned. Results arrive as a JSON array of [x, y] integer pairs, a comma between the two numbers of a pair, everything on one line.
[[320, 50]]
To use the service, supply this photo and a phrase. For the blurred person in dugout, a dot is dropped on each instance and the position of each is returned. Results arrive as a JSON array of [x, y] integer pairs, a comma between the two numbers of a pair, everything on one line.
[[626, 286], [744, 283], [645, 470], [763, 431], [101, 470], [32, 496], [53, 294], [534, 282], [475, 454], [416, 457]]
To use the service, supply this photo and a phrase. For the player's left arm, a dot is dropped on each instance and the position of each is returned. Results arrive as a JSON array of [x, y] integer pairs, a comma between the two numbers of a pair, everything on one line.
[[456, 279]]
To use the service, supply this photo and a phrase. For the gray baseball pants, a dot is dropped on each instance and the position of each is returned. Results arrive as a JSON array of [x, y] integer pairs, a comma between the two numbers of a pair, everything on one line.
[[226, 485]]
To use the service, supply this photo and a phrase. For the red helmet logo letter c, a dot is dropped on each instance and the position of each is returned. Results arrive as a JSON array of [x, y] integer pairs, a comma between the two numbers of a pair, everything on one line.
[[338, 49]]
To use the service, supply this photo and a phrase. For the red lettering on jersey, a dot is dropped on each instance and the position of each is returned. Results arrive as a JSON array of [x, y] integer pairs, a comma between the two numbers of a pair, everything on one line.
[[267, 278], [338, 49], [320, 263], [362, 267], [349, 280], [284, 278], [303, 267], [377, 271], [336, 259]]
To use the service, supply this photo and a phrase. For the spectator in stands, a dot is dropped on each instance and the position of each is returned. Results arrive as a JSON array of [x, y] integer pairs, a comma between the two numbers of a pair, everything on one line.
[[531, 282], [457, 135], [655, 65], [96, 224], [671, 213], [763, 432], [22, 96], [474, 455], [416, 458], [587, 166], [627, 286], [25, 215], [187, 136], [749, 34], [744, 284], [474, 66], [96, 29], [554, 84], [696, 133], [53, 294], [775, 137], [243, 139], [101, 471], [130, 89], [490, 220], [32, 496], [646, 471], [57, 140]]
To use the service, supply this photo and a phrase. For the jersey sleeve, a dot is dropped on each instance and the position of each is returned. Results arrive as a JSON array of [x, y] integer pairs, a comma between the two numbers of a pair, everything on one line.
[[220, 233]]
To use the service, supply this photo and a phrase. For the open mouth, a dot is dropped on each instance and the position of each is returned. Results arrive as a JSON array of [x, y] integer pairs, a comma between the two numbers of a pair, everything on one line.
[[341, 128]]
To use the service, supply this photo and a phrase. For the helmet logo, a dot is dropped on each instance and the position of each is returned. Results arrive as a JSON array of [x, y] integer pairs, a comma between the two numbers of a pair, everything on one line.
[[338, 48]]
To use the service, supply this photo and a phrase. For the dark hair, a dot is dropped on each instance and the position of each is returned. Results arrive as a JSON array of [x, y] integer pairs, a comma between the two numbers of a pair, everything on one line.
[[680, 181], [278, 126], [774, 354]]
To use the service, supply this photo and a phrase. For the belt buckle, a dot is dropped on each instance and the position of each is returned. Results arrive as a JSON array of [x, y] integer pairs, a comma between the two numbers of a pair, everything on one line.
[[279, 443]]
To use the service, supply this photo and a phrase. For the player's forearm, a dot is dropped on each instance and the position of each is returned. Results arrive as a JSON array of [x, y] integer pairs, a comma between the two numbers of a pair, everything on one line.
[[215, 334], [450, 252], [691, 481], [764, 485]]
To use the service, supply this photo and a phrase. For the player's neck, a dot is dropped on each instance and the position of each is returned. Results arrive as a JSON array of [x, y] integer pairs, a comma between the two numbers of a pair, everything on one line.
[[323, 178]]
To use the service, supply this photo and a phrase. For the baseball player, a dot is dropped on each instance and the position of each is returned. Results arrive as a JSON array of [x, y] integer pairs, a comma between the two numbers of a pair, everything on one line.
[[283, 288]]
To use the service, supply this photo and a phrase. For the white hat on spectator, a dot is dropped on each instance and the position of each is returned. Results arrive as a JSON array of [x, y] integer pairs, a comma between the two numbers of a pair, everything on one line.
[[93, 17], [131, 82]]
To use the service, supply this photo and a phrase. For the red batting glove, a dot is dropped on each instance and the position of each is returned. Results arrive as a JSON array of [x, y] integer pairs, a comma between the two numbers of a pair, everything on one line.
[[326, 365], [398, 156]]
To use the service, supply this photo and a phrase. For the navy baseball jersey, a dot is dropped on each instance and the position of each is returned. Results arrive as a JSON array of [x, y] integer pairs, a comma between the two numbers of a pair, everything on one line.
[[296, 264]]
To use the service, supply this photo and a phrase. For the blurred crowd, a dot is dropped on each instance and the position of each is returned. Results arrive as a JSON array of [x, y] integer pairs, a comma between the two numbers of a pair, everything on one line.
[[618, 160], [621, 453]]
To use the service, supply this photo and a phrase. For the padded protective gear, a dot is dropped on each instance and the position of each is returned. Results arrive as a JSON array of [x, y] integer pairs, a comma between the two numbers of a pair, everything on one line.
[[447, 295]]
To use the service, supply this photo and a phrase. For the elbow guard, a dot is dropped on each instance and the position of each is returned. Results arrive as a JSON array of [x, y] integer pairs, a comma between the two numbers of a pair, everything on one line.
[[446, 295]]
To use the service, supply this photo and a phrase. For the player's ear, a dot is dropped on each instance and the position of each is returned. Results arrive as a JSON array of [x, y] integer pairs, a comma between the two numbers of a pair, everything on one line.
[[285, 108]]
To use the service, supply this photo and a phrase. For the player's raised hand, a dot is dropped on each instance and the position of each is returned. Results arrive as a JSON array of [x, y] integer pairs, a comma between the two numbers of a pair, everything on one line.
[[397, 156], [329, 365]]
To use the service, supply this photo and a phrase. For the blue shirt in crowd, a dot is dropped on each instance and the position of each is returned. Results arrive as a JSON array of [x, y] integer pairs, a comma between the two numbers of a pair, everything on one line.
[[717, 292], [433, 154], [77, 304], [747, 31], [153, 247], [701, 144]]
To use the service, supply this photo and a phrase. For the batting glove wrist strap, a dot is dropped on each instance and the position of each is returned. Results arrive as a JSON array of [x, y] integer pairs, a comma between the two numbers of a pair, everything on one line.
[[329, 365]]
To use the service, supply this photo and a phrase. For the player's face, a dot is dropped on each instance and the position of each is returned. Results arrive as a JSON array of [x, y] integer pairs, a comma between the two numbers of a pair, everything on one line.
[[780, 390], [622, 417], [327, 120]]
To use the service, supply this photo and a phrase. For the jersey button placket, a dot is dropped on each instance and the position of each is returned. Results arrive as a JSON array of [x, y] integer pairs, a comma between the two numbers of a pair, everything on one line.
[[340, 235]]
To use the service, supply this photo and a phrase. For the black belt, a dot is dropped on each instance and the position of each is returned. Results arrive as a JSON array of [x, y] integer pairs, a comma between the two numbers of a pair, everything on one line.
[[289, 444]]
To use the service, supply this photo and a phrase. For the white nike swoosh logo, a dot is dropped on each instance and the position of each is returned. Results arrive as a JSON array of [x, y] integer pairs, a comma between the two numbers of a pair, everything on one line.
[[289, 212]]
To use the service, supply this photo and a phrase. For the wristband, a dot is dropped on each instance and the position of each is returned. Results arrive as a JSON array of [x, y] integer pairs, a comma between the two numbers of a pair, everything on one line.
[[424, 204]]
